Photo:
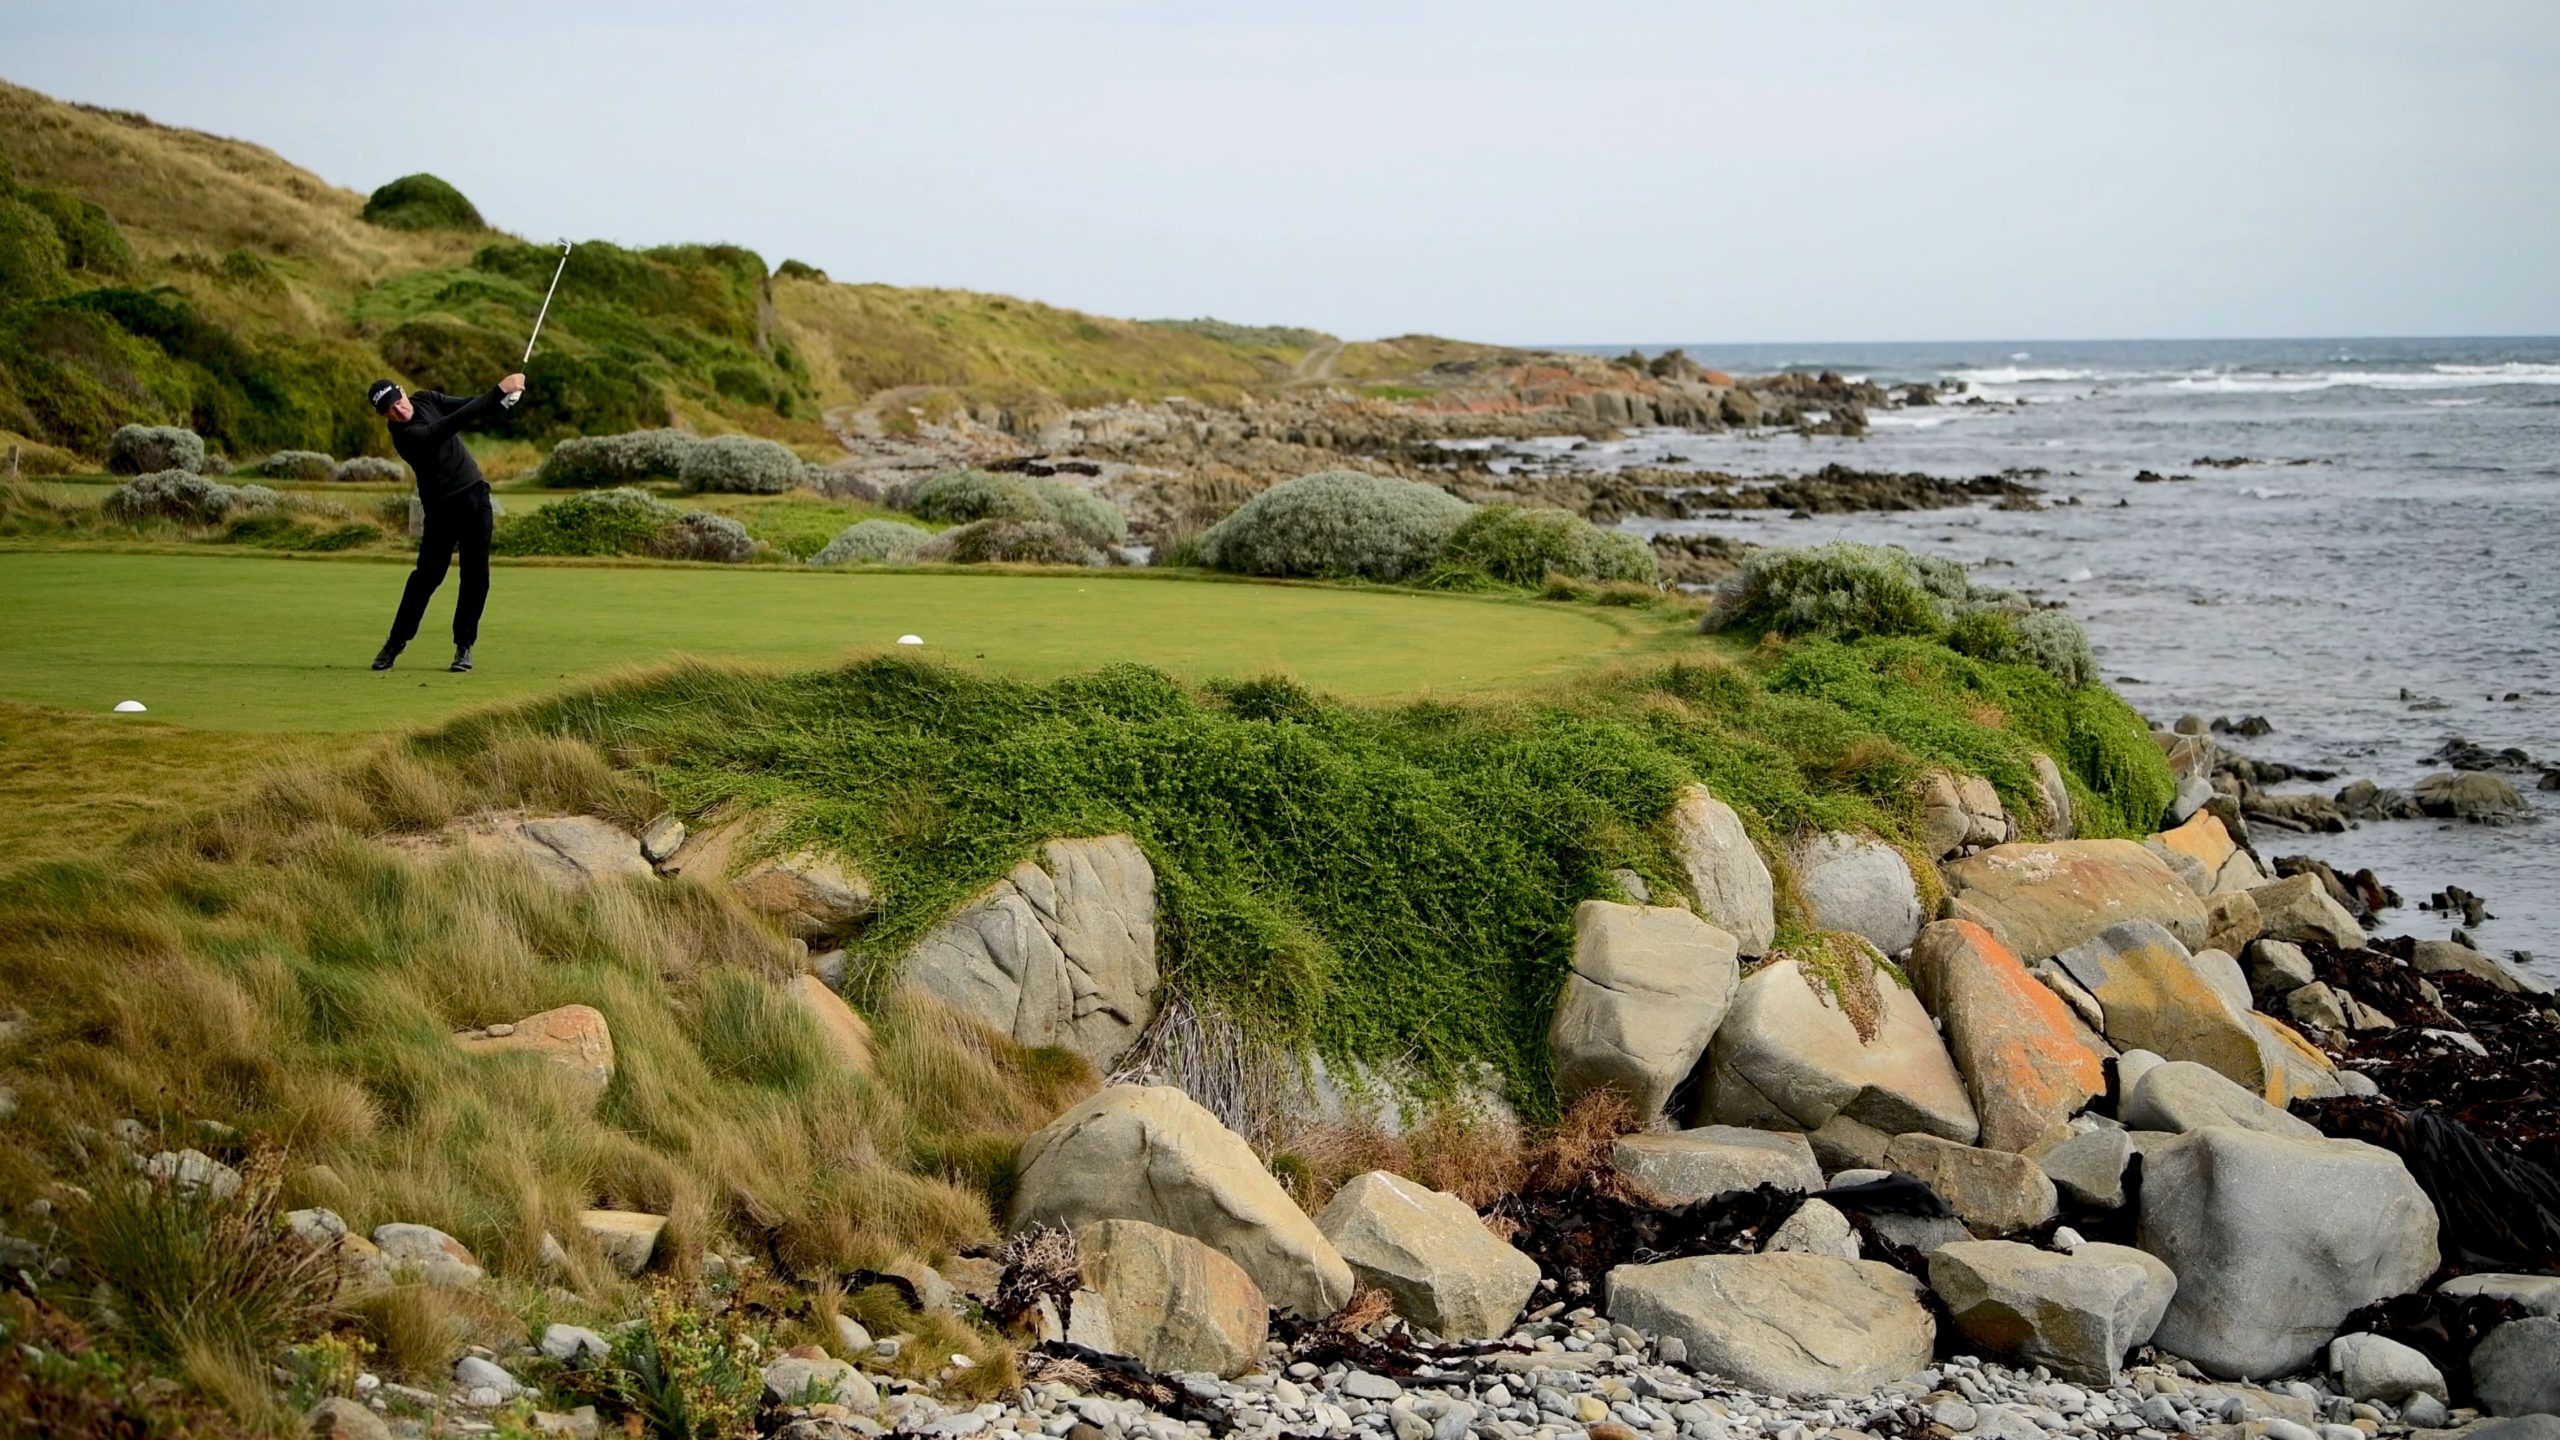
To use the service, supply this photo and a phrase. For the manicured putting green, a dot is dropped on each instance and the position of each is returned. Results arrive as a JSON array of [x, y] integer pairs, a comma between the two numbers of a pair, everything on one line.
[[259, 643]]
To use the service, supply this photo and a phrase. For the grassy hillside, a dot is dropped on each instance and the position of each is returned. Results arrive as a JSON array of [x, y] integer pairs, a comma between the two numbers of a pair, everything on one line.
[[152, 274]]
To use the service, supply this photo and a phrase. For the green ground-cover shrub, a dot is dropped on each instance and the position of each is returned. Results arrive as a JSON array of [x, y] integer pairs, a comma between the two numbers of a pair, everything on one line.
[[876, 541], [1377, 882], [959, 496], [1336, 523], [149, 449], [1521, 546], [421, 202]]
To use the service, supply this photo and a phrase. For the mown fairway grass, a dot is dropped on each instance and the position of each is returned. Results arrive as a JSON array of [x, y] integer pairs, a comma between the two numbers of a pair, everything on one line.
[[255, 643]]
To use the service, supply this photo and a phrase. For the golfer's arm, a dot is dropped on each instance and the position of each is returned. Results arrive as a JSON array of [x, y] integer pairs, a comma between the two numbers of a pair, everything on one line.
[[463, 414]]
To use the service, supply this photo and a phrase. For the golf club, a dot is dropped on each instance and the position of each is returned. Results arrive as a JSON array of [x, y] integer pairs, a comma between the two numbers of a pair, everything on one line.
[[510, 401]]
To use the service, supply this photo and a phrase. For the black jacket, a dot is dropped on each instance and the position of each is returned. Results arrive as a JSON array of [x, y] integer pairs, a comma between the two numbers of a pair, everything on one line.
[[431, 441]]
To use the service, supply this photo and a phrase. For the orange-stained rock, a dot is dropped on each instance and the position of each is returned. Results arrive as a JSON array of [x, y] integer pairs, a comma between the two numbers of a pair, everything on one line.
[[2012, 1038], [848, 1037], [2203, 838], [572, 1037], [2155, 997], [2296, 1068], [2042, 899]]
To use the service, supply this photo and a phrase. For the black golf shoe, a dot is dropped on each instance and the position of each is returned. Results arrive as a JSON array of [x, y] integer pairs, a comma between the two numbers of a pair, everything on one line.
[[461, 660], [382, 658]]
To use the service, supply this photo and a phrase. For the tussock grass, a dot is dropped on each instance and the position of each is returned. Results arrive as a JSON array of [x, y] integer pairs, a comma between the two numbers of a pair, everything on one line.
[[273, 967]]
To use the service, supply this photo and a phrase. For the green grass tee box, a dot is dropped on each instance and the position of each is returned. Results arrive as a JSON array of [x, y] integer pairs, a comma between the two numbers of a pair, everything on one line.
[[259, 643]]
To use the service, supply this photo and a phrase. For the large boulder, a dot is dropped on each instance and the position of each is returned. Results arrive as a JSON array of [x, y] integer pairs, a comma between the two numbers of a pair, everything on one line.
[[1783, 1322], [2077, 1313], [2437, 957], [2202, 839], [579, 850], [1726, 874], [2154, 997], [627, 1239], [2375, 1367], [2088, 1168], [2179, 1096], [1790, 1055], [1960, 813], [1446, 1272], [1166, 1300], [2053, 798], [2538, 1294], [2010, 1035], [2042, 899], [812, 894], [1994, 1192], [2274, 1240], [2298, 908], [574, 1038], [2234, 921], [1648, 987], [1712, 1159], [2468, 795], [1860, 885], [427, 1255], [1062, 951], [2516, 1368], [1149, 1152]]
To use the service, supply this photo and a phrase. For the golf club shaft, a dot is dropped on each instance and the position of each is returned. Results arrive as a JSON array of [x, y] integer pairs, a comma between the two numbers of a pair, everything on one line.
[[539, 316]]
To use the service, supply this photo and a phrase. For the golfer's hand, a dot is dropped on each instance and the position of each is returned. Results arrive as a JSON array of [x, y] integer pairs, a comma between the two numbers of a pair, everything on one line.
[[513, 384]]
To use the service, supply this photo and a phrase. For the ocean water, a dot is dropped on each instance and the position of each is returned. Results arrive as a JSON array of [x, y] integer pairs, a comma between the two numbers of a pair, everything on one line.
[[2397, 530]]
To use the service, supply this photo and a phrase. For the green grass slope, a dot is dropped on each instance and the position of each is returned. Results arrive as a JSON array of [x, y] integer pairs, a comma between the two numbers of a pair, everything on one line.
[[154, 274]]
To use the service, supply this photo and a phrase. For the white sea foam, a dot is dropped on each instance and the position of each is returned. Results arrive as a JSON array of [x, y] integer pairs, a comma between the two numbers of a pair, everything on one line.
[[2015, 375], [1882, 420], [2434, 377]]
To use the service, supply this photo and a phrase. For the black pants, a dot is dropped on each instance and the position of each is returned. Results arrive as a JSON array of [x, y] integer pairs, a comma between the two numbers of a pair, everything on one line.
[[454, 522]]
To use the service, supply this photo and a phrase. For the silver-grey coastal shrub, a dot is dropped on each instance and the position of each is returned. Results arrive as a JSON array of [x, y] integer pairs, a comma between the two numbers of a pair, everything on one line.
[[186, 497], [594, 462], [295, 465], [1336, 522], [371, 470], [701, 535], [1012, 540], [1845, 590], [959, 496], [873, 541], [154, 449], [740, 465]]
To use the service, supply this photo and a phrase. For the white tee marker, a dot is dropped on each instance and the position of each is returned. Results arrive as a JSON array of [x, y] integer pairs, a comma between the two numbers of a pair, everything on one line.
[[130, 707], [910, 639]]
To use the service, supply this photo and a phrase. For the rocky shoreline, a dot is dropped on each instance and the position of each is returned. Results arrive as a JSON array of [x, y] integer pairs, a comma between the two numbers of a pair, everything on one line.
[[2111, 1138]]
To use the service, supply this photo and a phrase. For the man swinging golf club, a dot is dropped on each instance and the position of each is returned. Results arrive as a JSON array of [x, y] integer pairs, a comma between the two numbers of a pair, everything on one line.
[[426, 428]]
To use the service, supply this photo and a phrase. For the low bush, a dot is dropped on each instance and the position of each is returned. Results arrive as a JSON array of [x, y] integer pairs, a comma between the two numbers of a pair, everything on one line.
[[798, 270], [184, 496], [295, 465], [959, 496], [873, 541], [149, 449], [1010, 541], [371, 470], [701, 535], [421, 202], [1336, 523], [601, 522], [1841, 590], [1845, 590], [739, 465], [1519, 546], [2047, 639], [591, 462]]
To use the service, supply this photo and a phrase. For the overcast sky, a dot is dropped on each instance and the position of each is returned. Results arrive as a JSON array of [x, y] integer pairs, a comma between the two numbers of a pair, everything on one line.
[[1523, 172]]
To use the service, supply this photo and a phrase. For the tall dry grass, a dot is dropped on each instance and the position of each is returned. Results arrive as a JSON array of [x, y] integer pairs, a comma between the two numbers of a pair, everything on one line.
[[276, 969]]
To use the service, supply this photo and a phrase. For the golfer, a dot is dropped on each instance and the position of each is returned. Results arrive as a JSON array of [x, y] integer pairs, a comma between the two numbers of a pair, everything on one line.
[[426, 428]]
